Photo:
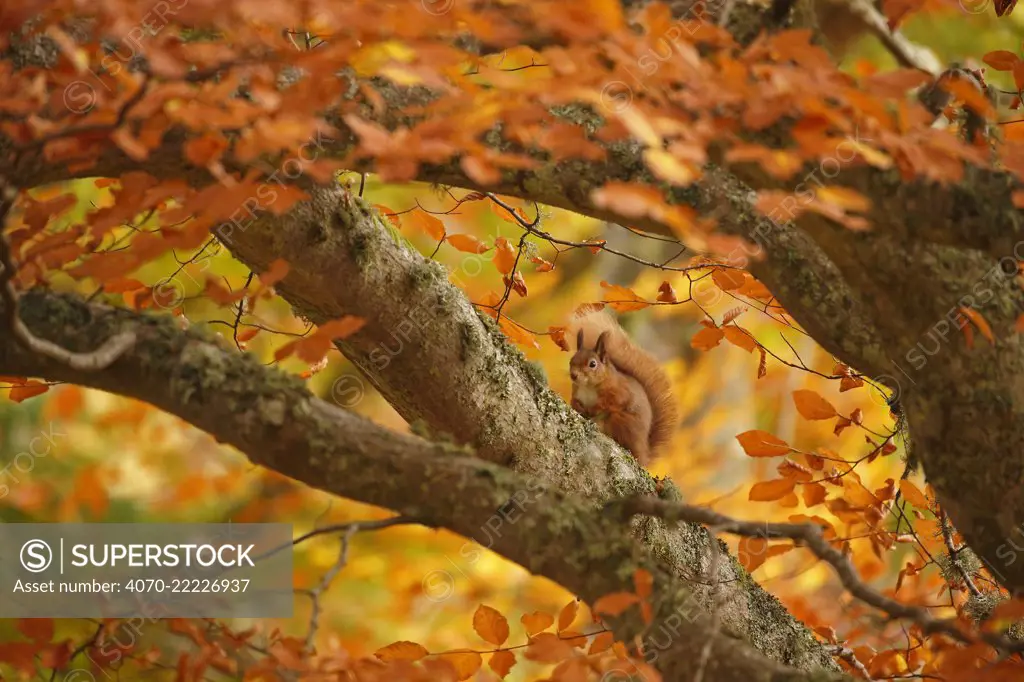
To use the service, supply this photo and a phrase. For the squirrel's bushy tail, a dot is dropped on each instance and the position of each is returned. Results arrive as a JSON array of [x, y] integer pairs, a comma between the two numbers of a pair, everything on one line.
[[630, 359]]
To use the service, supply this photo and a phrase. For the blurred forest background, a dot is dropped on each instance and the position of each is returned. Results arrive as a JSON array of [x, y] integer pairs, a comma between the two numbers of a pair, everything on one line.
[[107, 459]]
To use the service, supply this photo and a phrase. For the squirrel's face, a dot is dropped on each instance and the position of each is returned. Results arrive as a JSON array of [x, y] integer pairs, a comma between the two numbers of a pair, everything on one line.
[[587, 368]]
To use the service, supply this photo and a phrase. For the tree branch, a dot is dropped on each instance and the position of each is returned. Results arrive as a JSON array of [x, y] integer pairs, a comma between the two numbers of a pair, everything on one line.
[[273, 418]]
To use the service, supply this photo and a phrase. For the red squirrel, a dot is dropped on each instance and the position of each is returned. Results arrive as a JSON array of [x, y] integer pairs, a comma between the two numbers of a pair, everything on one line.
[[619, 385]]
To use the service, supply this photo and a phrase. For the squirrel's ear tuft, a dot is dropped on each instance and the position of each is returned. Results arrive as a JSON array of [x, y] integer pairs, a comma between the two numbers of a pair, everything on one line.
[[600, 348], [579, 340]]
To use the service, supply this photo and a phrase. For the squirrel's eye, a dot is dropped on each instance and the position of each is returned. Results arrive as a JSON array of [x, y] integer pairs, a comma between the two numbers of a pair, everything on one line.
[[593, 364]]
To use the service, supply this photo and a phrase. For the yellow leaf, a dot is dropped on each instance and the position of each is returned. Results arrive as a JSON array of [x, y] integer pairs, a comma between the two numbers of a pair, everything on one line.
[[639, 127], [402, 651], [668, 168], [465, 662], [812, 406], [767, 491], [536, 622], [501, 663], [758, 443], [843, 197], [490, 625]]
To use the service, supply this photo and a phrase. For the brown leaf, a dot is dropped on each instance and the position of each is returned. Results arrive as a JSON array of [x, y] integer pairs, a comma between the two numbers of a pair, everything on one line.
[[1001, 60], [666, 294]]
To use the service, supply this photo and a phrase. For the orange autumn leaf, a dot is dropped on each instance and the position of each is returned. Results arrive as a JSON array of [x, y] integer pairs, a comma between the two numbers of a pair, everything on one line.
[[547, 647], [467, 243], [567, 615], [757, 443], [402, 651], [975, 317], [36, 629], [814, 494], [490, 625], [727, 279], [557, 335], [517, 334], [751, 553], [643, 581], [707, 338], [622, 299], [812, 406], [666, 294], [602, 642], [465, 662], [536, 622], [912, 494], [501, 663], [275, 272], [504, 256], [1001, 60], [28, 390], [739, 337], [615, 603], [767, 491], [429, 224], [1010, 610]]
